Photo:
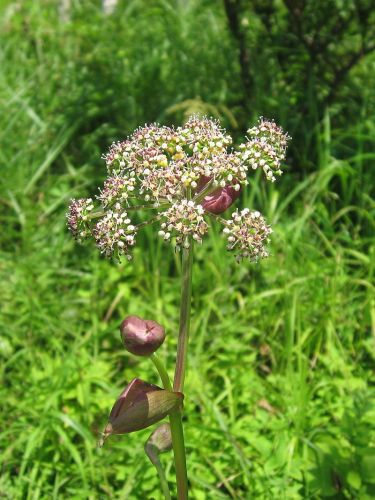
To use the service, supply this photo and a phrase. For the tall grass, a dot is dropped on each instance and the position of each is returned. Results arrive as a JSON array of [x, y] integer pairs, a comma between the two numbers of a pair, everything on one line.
[[281, 353]]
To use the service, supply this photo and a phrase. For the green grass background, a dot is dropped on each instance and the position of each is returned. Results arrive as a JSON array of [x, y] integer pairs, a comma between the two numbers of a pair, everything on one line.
[[279, 402]]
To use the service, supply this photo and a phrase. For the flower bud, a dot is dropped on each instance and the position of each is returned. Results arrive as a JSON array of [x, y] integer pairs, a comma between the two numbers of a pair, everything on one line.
[[140, 405], [141, 337], [160, 441], [220, 199]]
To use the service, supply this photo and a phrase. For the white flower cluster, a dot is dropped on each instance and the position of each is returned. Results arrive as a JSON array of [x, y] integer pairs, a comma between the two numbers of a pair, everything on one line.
[[265, 149], [182, 220], [268, 131], [184, 173], [114, 233], [204, 137], [165, 161], [247, 233]]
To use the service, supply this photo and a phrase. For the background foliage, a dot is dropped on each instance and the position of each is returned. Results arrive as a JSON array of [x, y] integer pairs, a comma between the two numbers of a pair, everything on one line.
[[279, 388]]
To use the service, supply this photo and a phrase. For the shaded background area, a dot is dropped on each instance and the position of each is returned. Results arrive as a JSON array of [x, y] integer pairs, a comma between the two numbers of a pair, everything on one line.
[[282, 353]]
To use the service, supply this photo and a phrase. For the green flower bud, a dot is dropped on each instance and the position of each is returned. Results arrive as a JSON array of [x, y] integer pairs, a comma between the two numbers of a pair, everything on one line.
[[160, 441], [140, 405]]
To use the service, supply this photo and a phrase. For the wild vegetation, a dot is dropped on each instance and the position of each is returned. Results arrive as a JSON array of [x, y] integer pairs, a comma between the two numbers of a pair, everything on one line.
[[282, 352]]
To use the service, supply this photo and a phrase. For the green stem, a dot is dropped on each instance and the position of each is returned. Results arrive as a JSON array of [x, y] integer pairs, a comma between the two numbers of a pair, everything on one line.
[[185, 308], [155, 460], [148, 222], [175, 420], [162, 372], [152, 454], [177, 431]]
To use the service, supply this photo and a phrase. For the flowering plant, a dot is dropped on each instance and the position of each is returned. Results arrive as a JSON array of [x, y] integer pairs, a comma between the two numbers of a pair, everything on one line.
[[183, 176]]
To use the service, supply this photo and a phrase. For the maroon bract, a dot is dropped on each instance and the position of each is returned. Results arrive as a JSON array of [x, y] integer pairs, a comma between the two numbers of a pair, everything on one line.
[[140, 405], [140, 336], [219, 200]]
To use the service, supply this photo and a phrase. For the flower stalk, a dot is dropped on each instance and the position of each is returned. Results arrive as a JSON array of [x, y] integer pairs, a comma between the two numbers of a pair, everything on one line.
[[185, 309], [178, 442], [175, 417], [177, 431], [160, 442], [155, 460]]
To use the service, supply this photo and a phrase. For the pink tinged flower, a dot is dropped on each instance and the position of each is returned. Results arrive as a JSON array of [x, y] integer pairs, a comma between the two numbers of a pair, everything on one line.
[[117, 189], [162, 165], [140, 405], [119, 155], [78, 216], [140, 336], [163, 182], [204, 136]]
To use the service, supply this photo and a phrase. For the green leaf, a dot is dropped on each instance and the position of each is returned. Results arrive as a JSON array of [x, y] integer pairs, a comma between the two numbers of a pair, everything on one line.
[[354, 479]]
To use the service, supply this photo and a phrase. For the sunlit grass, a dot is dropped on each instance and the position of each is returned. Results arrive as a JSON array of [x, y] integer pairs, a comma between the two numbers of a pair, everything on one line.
[[279, 371]]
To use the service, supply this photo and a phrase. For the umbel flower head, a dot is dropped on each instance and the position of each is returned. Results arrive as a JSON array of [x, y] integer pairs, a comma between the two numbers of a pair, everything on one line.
[[183, 176]]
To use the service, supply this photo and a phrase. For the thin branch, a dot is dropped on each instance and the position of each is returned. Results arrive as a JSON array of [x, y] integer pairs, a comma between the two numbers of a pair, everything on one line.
[[232, 9], [148, 222], [342, 72]]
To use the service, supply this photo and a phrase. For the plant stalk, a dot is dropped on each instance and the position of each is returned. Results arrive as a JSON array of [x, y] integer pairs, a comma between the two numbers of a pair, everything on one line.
[[185, 308], [155, 460], [175, 420], [179, 377], [159, 365], [178, 443]]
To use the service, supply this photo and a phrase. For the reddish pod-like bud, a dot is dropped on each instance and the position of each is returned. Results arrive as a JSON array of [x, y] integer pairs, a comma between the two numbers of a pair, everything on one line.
[[140, 336], [220, 199], [140, 405]]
